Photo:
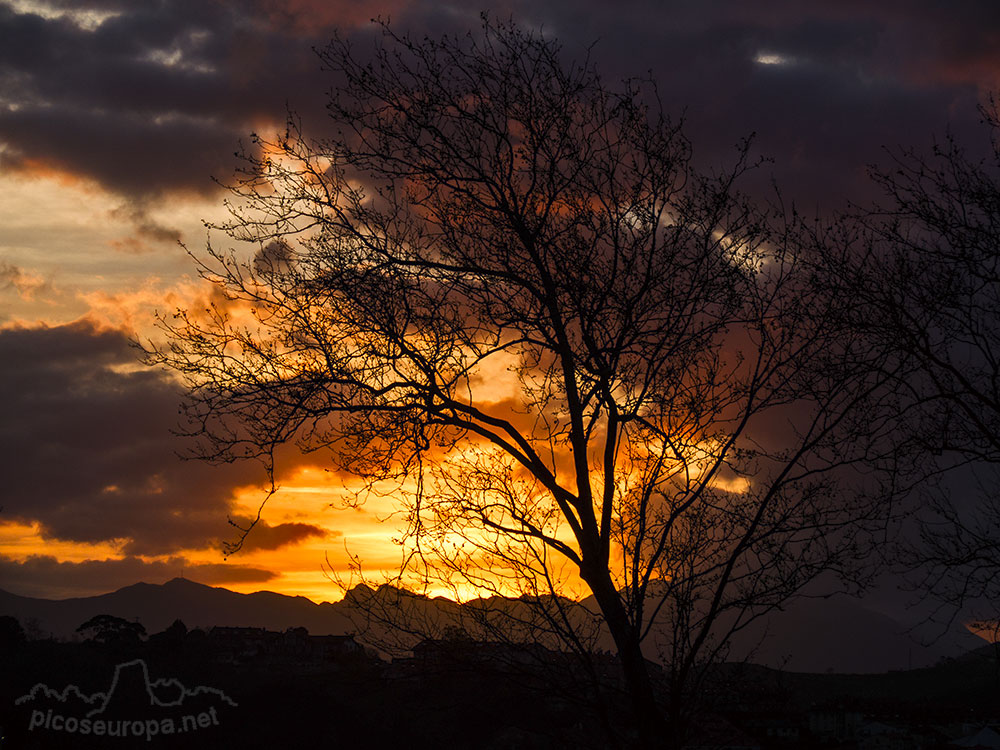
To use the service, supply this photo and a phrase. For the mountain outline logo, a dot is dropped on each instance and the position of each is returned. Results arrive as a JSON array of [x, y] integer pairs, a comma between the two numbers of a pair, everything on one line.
[[133, 706]]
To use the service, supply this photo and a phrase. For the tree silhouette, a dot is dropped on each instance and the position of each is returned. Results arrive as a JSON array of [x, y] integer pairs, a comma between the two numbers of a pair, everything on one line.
[[110, 629], [11, 632], [927, 287], [501, 288]]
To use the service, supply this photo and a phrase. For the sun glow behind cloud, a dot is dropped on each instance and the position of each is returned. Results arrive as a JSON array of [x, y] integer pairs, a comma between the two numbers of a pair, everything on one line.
[[307, 568], [83, 271], [317, 567], [18, 540], [121, 271]]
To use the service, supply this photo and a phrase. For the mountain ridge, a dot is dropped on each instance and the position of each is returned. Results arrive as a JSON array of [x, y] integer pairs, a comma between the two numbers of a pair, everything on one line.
[[838, 635]]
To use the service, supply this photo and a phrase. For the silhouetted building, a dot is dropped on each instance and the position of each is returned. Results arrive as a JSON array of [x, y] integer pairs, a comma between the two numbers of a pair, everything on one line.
[[242, 644]]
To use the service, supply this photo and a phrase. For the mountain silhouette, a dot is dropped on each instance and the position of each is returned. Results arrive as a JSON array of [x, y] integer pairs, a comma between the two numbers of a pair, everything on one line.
[[156, 606], [839, 634], [811, 635]]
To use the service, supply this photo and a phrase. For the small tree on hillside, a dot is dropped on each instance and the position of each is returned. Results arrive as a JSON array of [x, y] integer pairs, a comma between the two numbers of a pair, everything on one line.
[[109, 629], [11, 632], [501, 285]]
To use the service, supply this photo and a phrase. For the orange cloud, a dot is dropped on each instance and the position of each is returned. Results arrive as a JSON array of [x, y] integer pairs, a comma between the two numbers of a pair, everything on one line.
[[41, 168]]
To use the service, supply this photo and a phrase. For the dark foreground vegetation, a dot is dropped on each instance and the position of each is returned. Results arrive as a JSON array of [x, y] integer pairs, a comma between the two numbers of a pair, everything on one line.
[[253, 688]]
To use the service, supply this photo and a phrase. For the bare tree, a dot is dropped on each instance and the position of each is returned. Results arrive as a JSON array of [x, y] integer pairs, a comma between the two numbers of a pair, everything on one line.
[[927, 286], [500, 288]]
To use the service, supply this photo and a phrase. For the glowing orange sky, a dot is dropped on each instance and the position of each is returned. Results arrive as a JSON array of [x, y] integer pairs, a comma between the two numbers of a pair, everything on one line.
[[82, 235], [125, 296], [89, 234]]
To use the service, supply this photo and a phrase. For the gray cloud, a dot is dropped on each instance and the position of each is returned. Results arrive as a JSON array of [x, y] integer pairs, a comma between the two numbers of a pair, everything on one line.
[[155, 98], [45, 577], [267, 537], [86, 449], [23, 283]]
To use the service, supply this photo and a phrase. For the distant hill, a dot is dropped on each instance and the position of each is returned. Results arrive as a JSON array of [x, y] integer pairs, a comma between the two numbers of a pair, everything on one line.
[[156, 606], [811, 635], [841, 635]]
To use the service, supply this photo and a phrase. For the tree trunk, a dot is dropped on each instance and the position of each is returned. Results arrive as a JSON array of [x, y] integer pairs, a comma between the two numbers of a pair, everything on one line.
[[648, 718]]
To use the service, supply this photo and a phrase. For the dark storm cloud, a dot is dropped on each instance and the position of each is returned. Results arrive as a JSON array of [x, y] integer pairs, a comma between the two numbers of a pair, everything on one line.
[[156, 97], [86, 449], [125, 153], [266, 537], [147, 232], [846, 79], [45, 577]]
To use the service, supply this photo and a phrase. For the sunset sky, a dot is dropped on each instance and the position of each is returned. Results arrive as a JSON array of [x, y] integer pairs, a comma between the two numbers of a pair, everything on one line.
[[115, 115]]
